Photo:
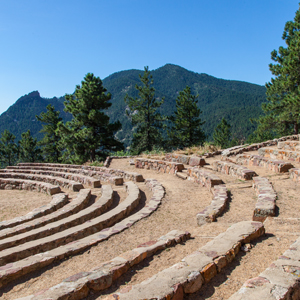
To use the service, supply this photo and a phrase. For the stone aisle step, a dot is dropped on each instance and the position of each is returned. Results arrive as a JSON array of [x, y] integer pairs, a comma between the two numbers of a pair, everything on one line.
[[73, 207], [76, 232], [30, 264], [66, 183], [58, 201], [79, 285], [196, 269]]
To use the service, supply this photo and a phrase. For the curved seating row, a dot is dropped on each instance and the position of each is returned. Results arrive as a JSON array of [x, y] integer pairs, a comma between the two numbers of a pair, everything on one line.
[[280, 154], [233, 170], [58, 201], [71, 208], [278, 166], [28, 185], [190, 160], [79, 285], [266, 202], [70, 176], [289, 145], [159, 165], [196, 269], [14, 270], [70, 184]]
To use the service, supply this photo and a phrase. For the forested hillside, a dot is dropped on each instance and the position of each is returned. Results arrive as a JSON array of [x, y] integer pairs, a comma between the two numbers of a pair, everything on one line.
[[236, 101]]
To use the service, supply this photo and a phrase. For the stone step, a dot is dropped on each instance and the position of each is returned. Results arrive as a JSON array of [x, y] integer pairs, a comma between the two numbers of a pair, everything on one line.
[[102, 277], [280, 154], [196, 269], [30, 264]]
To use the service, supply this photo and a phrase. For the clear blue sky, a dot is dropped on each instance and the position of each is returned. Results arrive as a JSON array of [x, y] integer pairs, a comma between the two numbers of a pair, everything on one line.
[[50, 45]]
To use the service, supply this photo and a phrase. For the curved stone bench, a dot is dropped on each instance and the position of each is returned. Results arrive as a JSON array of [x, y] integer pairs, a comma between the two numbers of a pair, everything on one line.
[[194, 270], [159, 165], [71, 208], [289, 145], [280, 281], [278, 166], [107, 172], [74, 233], [233, 170], [217, 206], [79, 285], [17, 269], [266, 202], [70, 184], [70, 176], [28, 185], [207, 179], [280, 154], [58, 201], [191, 160]]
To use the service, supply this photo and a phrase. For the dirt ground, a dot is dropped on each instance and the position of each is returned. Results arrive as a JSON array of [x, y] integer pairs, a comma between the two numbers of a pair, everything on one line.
[[183, 200]]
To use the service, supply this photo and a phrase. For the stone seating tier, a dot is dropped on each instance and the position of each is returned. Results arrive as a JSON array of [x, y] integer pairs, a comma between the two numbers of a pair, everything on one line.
[[79, 285], [30, 264], [190, 160], [196, 269], [94, 183], [217, 206], [280, 281], [28, 185], [278, 166], [266, 202], [66, 183], [132, 176], [71, 208], [159, 165], [74, 233], [289, 145], [58, 201], [232, 169], [280, 154]]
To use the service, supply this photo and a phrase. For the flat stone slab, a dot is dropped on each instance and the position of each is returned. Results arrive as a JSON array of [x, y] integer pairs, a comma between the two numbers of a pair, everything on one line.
[[196, 269], [280, 281], [232, 169], [280, 154], [102, 277], [58, 201], [266, 199], [217, 206], [71, 208], [278, 166], [289, 145], [30, 264]]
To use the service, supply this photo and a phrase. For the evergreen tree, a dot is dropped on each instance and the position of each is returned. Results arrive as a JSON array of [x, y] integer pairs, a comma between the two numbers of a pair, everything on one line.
[[8, 149], [282, 110], [89, 134], [28, 150], [186, 130], [222, 134], [50, 142], [145, 115]]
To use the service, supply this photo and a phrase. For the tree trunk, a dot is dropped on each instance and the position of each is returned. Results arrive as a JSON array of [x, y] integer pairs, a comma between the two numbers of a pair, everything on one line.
[[295, 128], [93, 155]]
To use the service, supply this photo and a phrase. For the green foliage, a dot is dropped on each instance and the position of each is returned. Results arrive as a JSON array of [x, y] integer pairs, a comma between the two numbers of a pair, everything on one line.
[[222, 134], [120, 153], [185, 129], [89, 135], [97, 163], [28, 149], [50, 141], [282, 110], [8, 149], [145, 115]]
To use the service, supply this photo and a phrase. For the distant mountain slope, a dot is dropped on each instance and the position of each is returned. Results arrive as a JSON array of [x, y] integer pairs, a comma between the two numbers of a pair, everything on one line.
[[235, 100]]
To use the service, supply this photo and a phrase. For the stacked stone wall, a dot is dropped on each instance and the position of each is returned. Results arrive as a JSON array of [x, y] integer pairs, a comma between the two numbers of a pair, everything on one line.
[[185, 159], [159, 165]]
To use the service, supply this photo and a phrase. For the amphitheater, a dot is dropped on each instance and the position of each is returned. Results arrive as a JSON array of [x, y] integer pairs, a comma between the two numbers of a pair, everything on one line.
[[225, 225]]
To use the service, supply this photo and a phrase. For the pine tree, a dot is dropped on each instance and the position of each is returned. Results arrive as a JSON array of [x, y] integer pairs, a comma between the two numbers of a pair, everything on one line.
[[50, 142], [28, 149], [222, 134], [282, 110], [89, 135], [185, 130], [8, 149], [145, 116]]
